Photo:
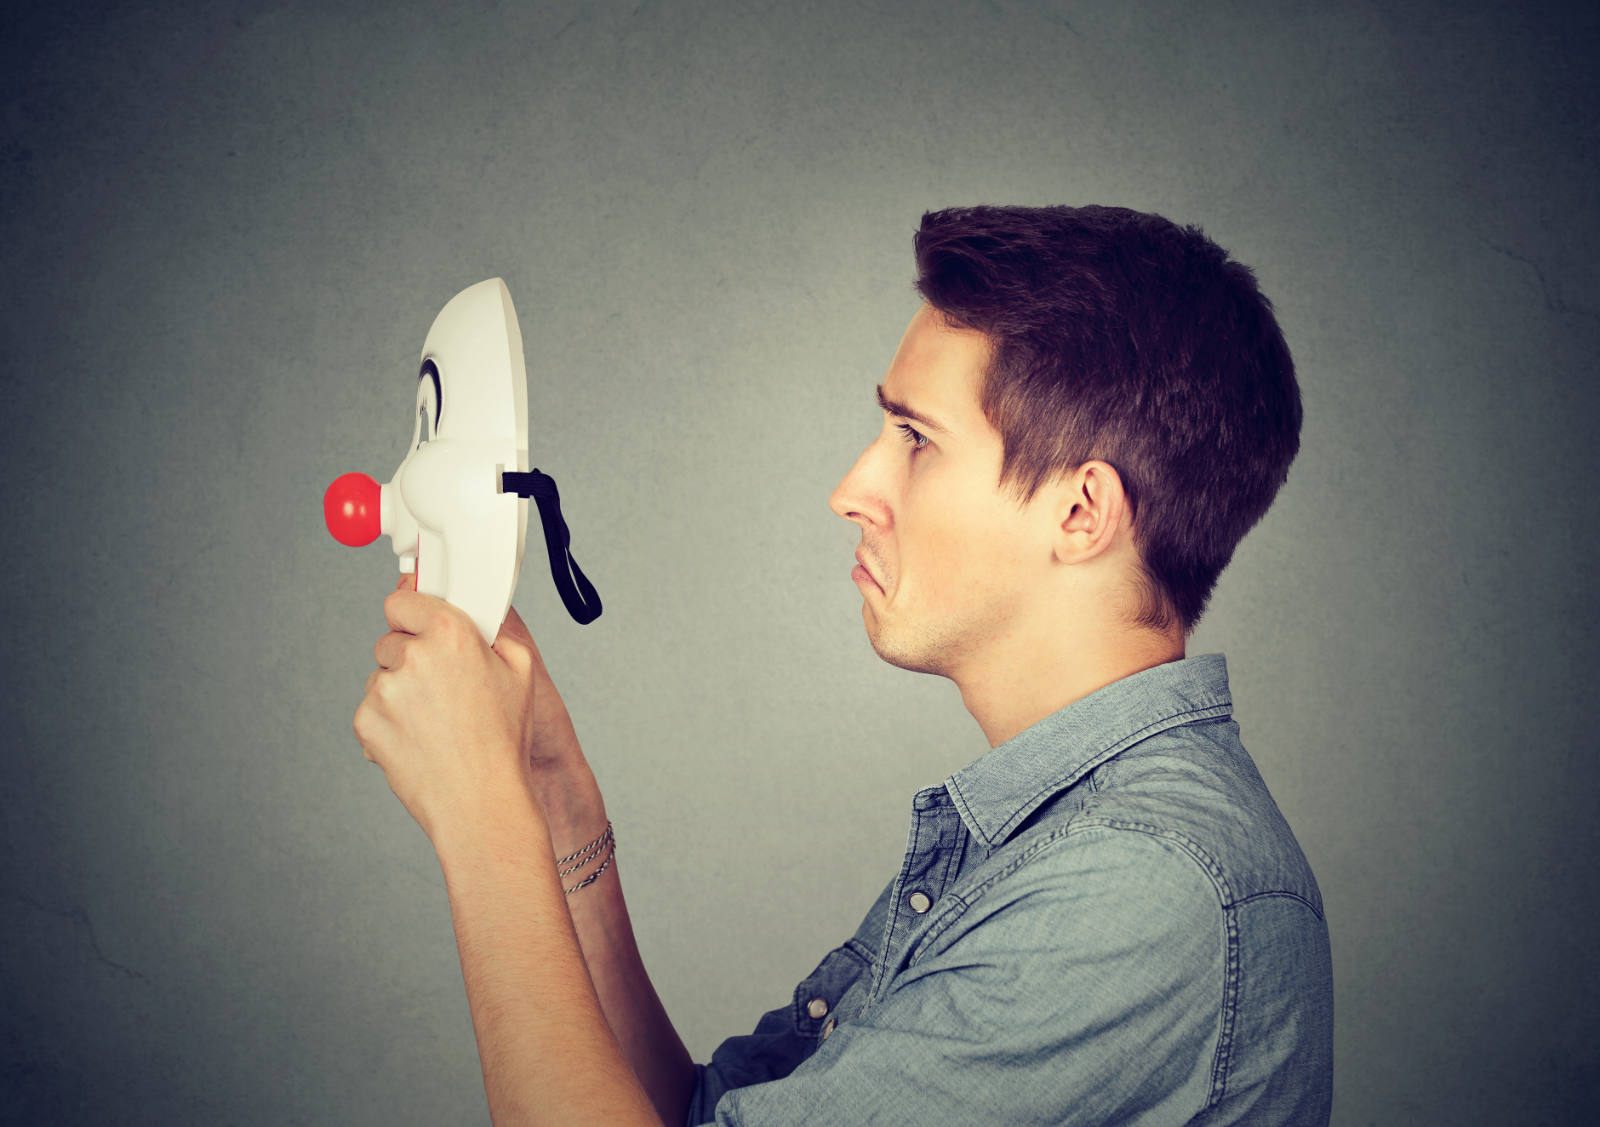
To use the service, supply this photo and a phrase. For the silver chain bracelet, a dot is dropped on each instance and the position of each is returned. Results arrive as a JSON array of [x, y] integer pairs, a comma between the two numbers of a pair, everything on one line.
[[587, 853], [587, 848], [594, 876]]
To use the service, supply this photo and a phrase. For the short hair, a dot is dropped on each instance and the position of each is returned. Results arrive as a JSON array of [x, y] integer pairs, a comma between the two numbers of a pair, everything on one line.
[[1119, 336]]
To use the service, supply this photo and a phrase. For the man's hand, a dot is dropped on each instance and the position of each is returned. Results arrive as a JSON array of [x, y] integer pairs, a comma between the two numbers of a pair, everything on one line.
[[552, 741], [477, 744], [450, 720]]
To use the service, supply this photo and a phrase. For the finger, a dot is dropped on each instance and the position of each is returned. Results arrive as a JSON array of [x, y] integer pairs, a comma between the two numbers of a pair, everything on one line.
[[407, 612], [517, 631], [362, 723], [384, 650]]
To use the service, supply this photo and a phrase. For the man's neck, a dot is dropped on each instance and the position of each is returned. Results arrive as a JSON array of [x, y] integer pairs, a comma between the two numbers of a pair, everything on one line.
[[1024, 681]]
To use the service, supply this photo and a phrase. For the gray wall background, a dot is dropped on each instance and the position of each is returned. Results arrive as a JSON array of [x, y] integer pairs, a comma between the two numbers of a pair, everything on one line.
[[224, 233]]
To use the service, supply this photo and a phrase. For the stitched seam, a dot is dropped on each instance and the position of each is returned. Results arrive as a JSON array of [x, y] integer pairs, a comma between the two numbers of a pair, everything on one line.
[[1193, 848], [952, 856], [936, 928], [959, 903], [1282, 894], [881, 974], [1222, 1063]]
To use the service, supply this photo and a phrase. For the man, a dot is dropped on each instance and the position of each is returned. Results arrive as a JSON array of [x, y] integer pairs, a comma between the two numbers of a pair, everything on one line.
[[1103, 919]]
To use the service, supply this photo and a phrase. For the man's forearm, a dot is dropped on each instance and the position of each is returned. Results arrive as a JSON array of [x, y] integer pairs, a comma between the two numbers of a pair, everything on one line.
[[547, 1052], [599, 915]]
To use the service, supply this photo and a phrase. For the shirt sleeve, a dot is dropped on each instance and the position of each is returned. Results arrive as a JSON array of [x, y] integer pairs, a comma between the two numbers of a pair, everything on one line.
[[1083, 985]]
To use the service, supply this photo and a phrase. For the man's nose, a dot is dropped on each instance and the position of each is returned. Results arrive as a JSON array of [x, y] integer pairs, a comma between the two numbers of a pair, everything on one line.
[[855, 498]]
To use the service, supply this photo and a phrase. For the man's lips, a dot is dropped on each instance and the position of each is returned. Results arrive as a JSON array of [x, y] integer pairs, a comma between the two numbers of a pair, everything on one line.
[[862, 572]]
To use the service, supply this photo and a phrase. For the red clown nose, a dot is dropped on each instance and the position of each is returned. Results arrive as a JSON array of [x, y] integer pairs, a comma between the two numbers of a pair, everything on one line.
[[352, 509]]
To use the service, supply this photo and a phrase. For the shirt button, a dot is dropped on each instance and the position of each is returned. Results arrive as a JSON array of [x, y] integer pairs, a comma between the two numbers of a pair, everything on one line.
[[817, 1007], [919, 902], [827, 1029]]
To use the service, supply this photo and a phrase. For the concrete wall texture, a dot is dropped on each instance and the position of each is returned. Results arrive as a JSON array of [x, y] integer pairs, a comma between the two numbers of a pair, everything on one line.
[[224, 231]]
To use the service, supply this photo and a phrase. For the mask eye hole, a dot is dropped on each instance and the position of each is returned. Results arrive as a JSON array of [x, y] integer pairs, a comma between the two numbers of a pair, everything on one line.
[[430, 372], [429, 405]]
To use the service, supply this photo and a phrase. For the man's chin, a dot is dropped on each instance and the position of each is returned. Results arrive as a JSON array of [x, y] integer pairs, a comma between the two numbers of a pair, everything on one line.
[[899, 654]]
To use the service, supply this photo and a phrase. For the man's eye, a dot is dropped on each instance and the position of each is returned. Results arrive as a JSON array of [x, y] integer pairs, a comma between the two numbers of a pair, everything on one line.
[[915, 437]]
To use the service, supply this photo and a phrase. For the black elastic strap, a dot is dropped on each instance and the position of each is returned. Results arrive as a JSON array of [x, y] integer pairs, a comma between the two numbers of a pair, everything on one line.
[[576, 590]]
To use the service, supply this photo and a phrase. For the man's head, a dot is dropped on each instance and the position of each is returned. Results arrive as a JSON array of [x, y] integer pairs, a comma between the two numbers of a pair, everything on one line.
[[1119, 410]]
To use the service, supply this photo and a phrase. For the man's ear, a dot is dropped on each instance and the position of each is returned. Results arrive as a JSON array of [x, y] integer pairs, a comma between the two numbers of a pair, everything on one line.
[[1089, 506]]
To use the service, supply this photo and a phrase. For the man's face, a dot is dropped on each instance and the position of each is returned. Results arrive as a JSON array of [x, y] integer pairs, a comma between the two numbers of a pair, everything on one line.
[[951, 562]]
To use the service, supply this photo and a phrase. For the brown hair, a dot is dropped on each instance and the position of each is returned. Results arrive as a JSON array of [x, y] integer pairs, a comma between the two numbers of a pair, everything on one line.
[[1121, 337]]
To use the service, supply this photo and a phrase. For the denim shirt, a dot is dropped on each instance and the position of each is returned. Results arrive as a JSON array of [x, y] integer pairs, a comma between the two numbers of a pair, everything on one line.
[[1104, 919]]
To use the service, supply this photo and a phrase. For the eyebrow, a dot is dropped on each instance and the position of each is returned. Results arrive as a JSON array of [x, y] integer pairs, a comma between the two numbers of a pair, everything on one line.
[[905, 412]]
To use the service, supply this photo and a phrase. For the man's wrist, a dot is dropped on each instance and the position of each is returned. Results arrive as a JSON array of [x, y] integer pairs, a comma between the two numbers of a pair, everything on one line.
[[569, 797], [504, 824]]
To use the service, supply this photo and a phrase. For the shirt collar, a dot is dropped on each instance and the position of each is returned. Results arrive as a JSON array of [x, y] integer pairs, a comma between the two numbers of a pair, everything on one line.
[[995, 792]]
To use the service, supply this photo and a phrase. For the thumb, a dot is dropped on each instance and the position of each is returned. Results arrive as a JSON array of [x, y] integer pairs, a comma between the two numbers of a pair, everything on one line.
[[513, 629]]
